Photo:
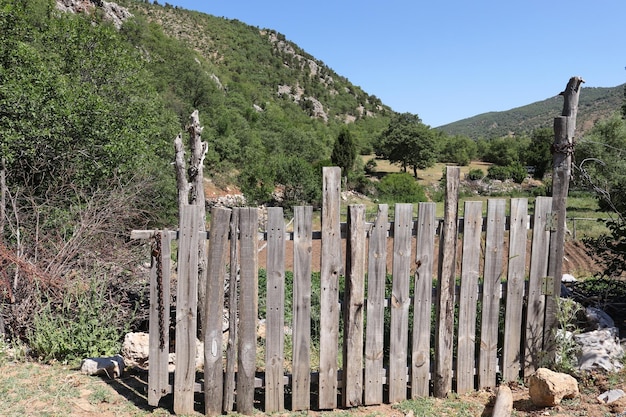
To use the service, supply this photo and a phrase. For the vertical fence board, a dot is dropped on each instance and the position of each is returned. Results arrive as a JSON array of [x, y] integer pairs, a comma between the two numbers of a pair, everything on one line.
[[511, 352], [248, 307], [275, 312], [329, 287], [301, 344], [470, 269], [400, 302], [354, 301], [376, 278], [494, 249], [233, 308], [444, 330], [159, 335], [536, 299], [186, 310], [423, 294], [213, 317]]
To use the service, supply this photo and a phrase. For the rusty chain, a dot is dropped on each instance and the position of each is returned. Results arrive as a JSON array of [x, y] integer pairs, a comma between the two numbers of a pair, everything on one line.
[[156, 256]]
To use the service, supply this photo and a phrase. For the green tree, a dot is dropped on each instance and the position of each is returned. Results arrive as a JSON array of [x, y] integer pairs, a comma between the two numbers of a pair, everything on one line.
[[408, 142], [344, 152], [460, 150], [539, 154], [400, 188]]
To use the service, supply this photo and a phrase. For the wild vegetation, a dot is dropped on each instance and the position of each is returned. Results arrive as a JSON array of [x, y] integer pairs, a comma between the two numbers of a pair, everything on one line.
[[88, 114]]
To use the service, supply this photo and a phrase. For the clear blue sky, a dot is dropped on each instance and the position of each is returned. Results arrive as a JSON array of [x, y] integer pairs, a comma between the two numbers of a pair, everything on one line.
[[447, 60]]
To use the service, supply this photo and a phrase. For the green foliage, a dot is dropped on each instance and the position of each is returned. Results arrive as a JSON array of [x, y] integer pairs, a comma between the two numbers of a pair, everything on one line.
[[344, 152], [459, 150], [538, 153], [515, 172], [475, 174], [401, 188], [84, 324], [566, 348], [408, 142]]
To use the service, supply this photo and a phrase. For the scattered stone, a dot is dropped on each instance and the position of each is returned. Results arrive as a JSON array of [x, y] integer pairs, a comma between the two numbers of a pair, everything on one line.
[[504, 402], [611, 396], [548, 388], [568, 278], [111, 366], [600, 349]]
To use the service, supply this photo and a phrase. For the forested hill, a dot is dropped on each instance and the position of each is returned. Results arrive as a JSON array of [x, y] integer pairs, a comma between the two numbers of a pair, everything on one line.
[[595, 104], [242, 77]]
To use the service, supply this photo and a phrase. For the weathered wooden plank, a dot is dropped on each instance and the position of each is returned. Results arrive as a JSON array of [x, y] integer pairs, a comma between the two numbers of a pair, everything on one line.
[[353, 305], [536, 299], [248, 309], [444, 325], [563, 149], [331, 268], [275, 312], [186, 310], [400, 302], [494, 249], [159, 334], [511, 351], [470, 269], [423, 299], [376, 278], [233, 308], [213, 316], [301, 342]]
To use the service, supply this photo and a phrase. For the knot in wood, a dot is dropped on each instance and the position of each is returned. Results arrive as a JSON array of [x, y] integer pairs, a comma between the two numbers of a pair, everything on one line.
[[564, 148]]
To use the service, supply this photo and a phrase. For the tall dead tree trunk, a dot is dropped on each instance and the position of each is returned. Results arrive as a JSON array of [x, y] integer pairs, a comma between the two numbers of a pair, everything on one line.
[[562, 149], [190, 182]]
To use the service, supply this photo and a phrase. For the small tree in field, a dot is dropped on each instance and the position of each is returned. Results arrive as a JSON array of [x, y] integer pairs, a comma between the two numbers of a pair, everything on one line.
[[344, 152]]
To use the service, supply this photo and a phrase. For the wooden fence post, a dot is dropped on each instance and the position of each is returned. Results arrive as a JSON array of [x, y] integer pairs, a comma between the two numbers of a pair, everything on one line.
[[233, 309], [470, 270], [301, 342], [248, 309], [213, 316], [275, 312], [563, 149], [376, 278], [444, 330], [353, 306], [331, 268]]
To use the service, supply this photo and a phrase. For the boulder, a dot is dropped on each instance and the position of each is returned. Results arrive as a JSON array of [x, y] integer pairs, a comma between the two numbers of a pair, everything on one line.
[[611, 396], [136, 349], [600, 349], [111, 366], [597, 319], [548, 388]]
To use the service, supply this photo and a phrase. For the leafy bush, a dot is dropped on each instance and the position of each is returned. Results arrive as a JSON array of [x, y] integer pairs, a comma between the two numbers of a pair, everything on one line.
[[85, 324], [401, 188], [475, 174]]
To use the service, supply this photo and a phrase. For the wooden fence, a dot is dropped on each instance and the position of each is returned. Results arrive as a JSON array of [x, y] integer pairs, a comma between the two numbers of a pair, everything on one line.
[[475, 327]]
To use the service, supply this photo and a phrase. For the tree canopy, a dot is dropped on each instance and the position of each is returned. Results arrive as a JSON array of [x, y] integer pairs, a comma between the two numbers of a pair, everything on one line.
[[408, 142]]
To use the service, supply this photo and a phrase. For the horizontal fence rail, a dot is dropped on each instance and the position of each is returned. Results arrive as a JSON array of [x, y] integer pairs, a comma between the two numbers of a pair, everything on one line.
[[369, 335]]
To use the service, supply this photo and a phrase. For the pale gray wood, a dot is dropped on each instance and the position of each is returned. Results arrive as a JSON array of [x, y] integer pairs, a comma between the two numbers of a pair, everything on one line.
[[468, 298], [423, 299], [516, 274], [536, 299], [563, 147], [400, 302], [159, 334], [248, 309], [354, 300], [275, 312], [233, 308], [213, 316], [444, 324], [376, 279], [186, 310], [331, 269], [493, 273], [301, 336]]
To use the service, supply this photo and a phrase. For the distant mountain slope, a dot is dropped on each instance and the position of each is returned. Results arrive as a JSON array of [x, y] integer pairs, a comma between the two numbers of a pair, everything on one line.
[[595, 103]]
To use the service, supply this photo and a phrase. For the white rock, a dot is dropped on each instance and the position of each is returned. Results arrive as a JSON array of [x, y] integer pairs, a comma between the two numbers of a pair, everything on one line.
[[611, 396], [112, 366]]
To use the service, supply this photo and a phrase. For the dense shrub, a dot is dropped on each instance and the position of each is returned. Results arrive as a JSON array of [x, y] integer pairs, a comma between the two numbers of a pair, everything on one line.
[[401, 188], [475, 174]]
